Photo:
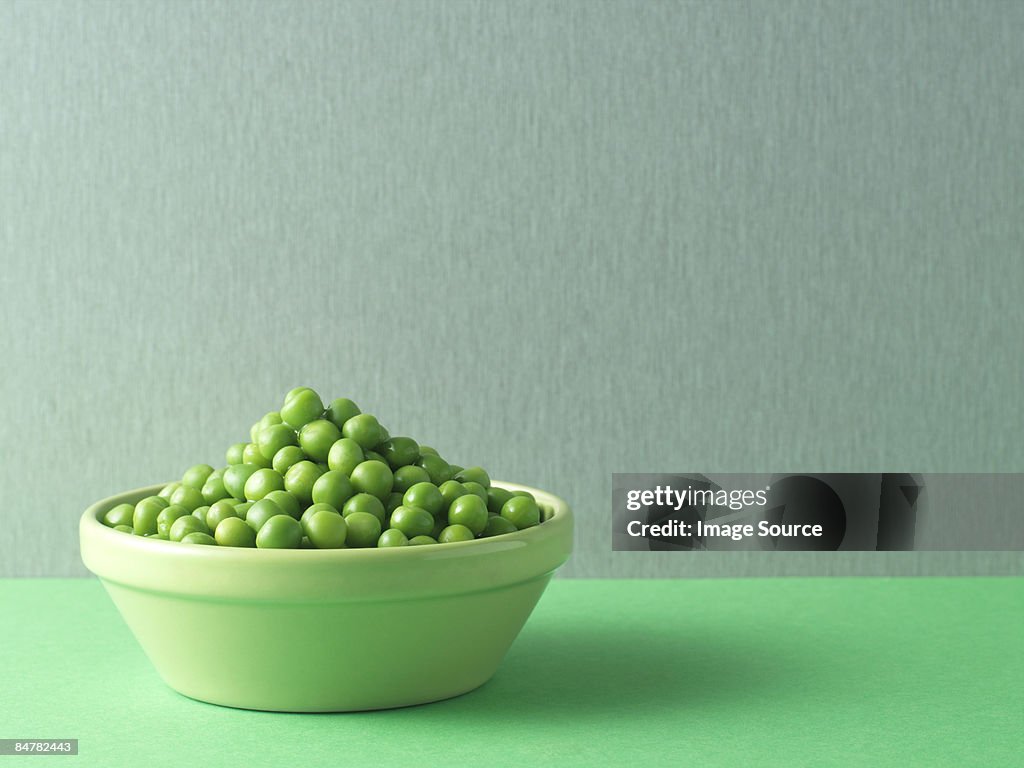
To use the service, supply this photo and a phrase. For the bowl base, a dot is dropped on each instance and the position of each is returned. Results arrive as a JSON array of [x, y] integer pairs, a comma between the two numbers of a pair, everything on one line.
[[327, 656], [225, 704]]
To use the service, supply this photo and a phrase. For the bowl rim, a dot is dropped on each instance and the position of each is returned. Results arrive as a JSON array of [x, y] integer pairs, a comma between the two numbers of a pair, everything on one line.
[[556, 508], [162, 566]]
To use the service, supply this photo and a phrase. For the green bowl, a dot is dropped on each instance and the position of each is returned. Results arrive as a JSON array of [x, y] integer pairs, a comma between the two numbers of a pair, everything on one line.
[[326, 630]]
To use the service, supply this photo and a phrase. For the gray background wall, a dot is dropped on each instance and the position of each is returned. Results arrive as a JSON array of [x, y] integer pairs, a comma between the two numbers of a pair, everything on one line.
[[557, 239]]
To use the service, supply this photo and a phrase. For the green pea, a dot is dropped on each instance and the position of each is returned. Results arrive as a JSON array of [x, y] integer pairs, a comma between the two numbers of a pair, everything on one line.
[[242, 508], [374, 456], [261, 482], [392, 537], [218, 512], [455, 533], [233, 532], [235, 478], [188, 497], [260, 512], [419, 541], [286, 458], [288, 503], [477, 490], [279, 532], [374, 478], [345, 455], [407, 477], [363, 530], [440, 523], [301, 406], [201, 512], [122, 514], [299, 480], [425, 496], [167, 517], [366, 504], [474, 475], [196, 476], [123, 528], [160, 501], [341, 410], [253, 455], [327, 530], [525, 494], [167, 490], [455, 469], [452, 490], [269, 420], [317, 437], [400, 451], [427, 450], [437, 468], [213, 489], [412, 521], [496, 498], [272, 439], [146, 512], [305, 518], [364, 429], [469, 510], [394, 502], [334, 488], [234, 454], [521, 511], [497, 525], [186, 525], [198, 537]]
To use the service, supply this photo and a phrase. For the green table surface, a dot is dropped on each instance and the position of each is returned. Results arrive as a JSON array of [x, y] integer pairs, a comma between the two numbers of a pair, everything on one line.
[[776, 672]]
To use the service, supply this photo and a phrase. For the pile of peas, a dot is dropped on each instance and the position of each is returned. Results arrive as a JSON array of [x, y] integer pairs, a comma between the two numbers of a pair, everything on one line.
[[327, 478]]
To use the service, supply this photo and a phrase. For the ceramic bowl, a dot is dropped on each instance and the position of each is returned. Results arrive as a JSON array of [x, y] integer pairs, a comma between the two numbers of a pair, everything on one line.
[[326, 630]]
